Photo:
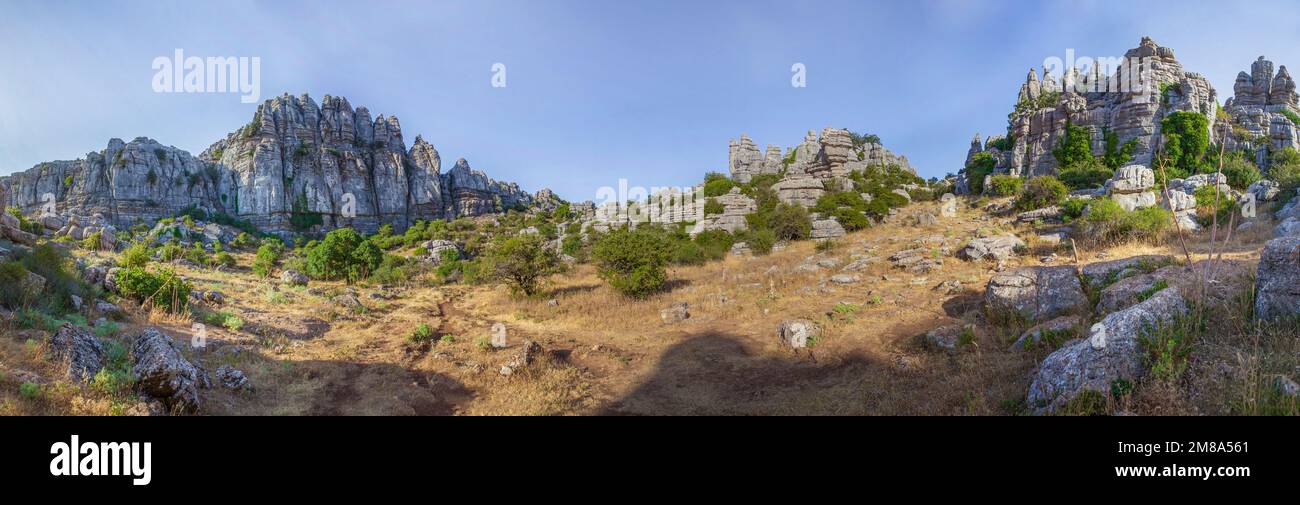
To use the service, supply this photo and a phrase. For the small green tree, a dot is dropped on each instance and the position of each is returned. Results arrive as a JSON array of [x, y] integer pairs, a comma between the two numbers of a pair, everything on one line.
[[522, 262], [1042, 191], [332, 257], [264, 263], [1075, 146], [633, 261], [1186, 137]]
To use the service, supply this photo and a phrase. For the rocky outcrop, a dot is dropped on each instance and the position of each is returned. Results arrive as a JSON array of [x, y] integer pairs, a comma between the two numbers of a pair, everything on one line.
[[1278, 290], [745, 160], [803, 190], [296, 166], [1035, 294], [1000, 248], [1259, 106], [735, 206], [164, 373], [1096, 102], [1131, 187], [1111, 352], [79, 350], [826, 229]]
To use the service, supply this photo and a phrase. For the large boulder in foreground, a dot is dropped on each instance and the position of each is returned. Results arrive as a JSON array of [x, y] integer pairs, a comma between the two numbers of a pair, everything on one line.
[[79, 350], [164, 373], [1278, 287], [1111, 352], [1035, 294]]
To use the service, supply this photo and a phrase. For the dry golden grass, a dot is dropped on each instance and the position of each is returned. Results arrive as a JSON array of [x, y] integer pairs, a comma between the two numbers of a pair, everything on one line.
[[607, 354]]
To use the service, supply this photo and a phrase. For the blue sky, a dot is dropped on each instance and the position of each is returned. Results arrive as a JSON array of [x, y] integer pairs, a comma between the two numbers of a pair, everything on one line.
[[596, 90]]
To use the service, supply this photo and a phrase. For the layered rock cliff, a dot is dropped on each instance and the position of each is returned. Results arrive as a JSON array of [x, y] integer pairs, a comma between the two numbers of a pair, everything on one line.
[[1044, 107], [297, 166]]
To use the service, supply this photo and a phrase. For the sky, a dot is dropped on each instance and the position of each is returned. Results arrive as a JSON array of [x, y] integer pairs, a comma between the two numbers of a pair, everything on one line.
[[595, 91]]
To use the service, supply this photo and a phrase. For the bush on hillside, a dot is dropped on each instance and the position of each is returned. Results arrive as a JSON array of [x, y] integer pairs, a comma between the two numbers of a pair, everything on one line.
[[522, 262], [1104, 222], [633, 261], [1004, 185], [164, 289], [1041, 191]]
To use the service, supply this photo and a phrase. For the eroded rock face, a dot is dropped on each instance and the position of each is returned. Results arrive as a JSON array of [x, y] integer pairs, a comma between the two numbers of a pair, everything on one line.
[[826, 229], [164, 373], [1111, 352], [294, 158], [802, 190], [1131, 187], [735, 206], [1046, 106], [79, 349], [1278, 295], [1000, 248], [1035, 293]]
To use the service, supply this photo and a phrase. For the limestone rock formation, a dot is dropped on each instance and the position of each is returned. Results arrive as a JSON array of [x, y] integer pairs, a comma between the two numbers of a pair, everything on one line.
[[297, 165], [164, 373], [1111, 352], [78, 349], [1035, 293], [1117, 100], [1278, 294], [1131, 187], [735, 206]]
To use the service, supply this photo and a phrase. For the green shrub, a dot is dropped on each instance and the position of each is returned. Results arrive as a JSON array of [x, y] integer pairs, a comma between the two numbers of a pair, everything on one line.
[[718, 187], [979, 168], [522, 262], [1105, 222], [1114, 155], [1075, 146], [332, 257], [1206, 207], [136, 255], [1004, 185], [1042, 191], [1186, 138], [30, 390], [13, 274], [1072, 208], [1285, 170], [1086, 175], [1241, 172], [197, 255], [170, 251], [267, 256], [92, 241], [633, 261], [224, 259], [712, 206], [164, 289], [422, 333], [62, 280], [760, 242], [242, 241], [790, 222]]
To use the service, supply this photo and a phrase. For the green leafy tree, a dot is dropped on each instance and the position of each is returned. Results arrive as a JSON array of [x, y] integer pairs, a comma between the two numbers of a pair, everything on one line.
[[1186, 138], [332, 257], [633, 261], [522, 262], [1075, 146]]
